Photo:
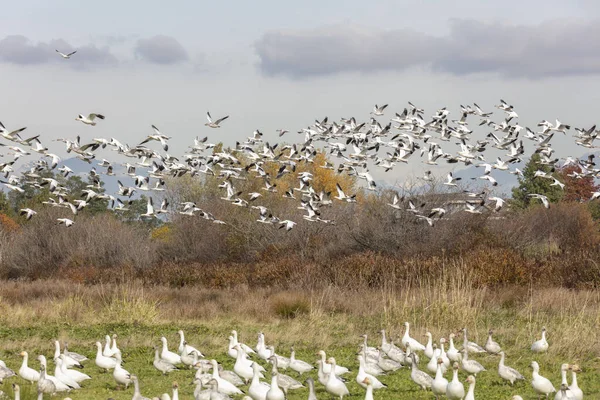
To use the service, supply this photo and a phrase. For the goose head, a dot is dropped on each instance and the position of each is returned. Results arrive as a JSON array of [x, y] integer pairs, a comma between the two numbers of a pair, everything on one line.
[[180, 332], [79, 117], [470, 380], [575, 367], [443, 340], [535, 366], [440, 361], [99, 345], [23, 354], [16, 389], [428, 335], [455, 366], [330, 360], [366, 381]]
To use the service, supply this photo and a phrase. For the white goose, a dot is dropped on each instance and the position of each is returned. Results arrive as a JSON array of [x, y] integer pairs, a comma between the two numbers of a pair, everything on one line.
[[102, 361], [508, 373], [184, 347], [275, 392], [89, 120], [121, 376], [432, 365], [471, 346], [59, 385], [257, 389], [298, 365], [108, 350], [455, 389], [241, 366], [407, 341], [540, 346], [566, 393], [334, 385], [69, 361], [339, 370], [385, 346], [161, 364], [261, 348], [470, 366], [439, 384], [73, 374], [224, 386], [387, 364], [246, 348], [168, 355], [311, 389], [577, 392], [367, 384], [471, 392], [362, 375], [284, 381], [540, 384], [27, 373], [453, 353], [136, 389], [45, 385], [429, 347], [282, 362], [64, 378], [491, 346]]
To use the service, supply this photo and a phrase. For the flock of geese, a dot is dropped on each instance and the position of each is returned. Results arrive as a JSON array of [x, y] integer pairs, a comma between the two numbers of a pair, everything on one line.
[[246, 379], [356, 148]]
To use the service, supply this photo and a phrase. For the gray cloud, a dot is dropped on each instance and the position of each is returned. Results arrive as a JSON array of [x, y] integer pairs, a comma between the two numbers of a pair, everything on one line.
[[18, 49], [161, 49], [553, 48]]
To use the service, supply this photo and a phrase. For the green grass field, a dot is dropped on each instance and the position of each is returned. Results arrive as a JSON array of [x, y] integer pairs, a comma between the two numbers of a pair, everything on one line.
[[136, 341]]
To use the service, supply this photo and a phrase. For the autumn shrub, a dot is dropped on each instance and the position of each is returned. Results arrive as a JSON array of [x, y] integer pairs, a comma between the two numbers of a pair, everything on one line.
[[290, 304]]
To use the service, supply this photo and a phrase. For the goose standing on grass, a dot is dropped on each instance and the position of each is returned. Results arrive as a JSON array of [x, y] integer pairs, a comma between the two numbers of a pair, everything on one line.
[[257, 389], [241, 366], [491, 346], [362, 375], [298, 365], [275, 392], [162, 365], [371, 366], [471, 346], [27, 373], [429, 347], [284, 381], [311, 389], [508, 373], [69, 361], [64, 378], [419, 377], [184, 347], [439, 384], [408, 341], [385, 346], [541, 385], [261, 349], [224, 386], [471, 392], [73, 374], [470, 366], [136, 389], [71, 354], [540, 346], [564, 368], [455, 389], [120, 375], [102, 361], [246, 348], [58, 385], [577, 392], [114, 348], [453, 353], [167, 355], [387, 364], [190, 359], [334, 385], [432, 364], [45, 385], [5, 372], [108, 350], [338, 369]]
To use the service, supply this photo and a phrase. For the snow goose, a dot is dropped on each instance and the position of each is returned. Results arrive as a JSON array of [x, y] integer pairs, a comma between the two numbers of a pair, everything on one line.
[[168, 356], [491, 346], [246, 348], [114, 348], [443, 355], [242, 367], [89, 120], [471, 392], [577, 392], [45, 385], [362, 375], [75, 356], [275, 392], [298, 365], [540, 346], [311, 389], [69, 361], [104, 362], [161, 364], [334, 385], [564, 394], [17, 391], [386, 364], [184, 347], [257, 389], [27, 373], [282, 362], [471, 346], [188, 359], [453, 353], [395, 353], [223, 386], [136, 389], [261, 349], [407, 341], [419, 377], [508, 373], [429, 346], [338, 369], [439, 384], [470, 366], [66, 56], [121, 376], [108, 351], [540, 384], [73, 374], [455, 389], [64, 378], [385, 346], [230, 376], [371, 366], [5, 372], [216, 393], [214, 124], [370, 352], [284, 381], [58, 385], [366, 383]]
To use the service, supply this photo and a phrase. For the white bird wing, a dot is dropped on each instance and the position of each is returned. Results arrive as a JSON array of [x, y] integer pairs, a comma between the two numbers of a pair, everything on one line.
[[208, 117]]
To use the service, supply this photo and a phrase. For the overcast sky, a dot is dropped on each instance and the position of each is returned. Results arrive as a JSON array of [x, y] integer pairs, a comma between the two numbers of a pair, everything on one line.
[[275, 64]]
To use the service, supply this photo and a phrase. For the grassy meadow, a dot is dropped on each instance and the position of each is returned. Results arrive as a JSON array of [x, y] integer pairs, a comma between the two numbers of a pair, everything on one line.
[[32, 314]]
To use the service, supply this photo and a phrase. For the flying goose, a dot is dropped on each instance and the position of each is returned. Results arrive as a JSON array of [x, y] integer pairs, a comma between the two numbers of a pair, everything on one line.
[[89, 120], [216, 123], [66, 56]]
